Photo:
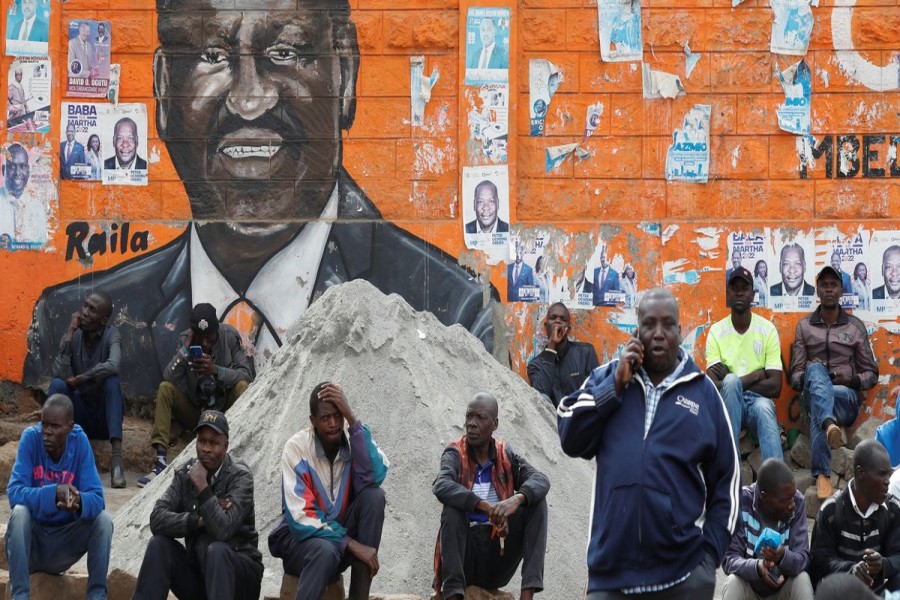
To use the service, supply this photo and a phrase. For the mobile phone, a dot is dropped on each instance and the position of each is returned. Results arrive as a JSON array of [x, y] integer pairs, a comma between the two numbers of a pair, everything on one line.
[[195, 352]]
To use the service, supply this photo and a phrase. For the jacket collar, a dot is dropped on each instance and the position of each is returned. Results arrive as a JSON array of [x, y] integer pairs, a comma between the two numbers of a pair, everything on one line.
[[816, 317]]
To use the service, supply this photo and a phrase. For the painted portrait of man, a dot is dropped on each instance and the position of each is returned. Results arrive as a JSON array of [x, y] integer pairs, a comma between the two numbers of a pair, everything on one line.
[[251, 106]]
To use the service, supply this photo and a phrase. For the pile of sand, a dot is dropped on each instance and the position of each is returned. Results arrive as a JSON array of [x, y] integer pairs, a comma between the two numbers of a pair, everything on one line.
[[409, 378]]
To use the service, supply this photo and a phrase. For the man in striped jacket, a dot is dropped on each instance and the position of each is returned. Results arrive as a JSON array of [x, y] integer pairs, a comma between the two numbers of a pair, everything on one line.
[[332, 500]]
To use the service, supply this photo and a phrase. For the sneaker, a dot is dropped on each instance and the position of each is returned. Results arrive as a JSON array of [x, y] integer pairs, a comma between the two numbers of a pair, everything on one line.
[[823, 487], [158, 468], [833, 433]]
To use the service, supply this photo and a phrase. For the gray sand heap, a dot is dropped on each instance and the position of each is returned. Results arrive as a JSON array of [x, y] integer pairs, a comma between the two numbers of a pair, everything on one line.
[[409, 378]]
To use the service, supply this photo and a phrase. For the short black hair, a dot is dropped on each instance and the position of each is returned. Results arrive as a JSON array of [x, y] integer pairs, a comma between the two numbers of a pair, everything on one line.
[[107, 300], [773, 474], [314, 401], [867, 452], [60, 402]]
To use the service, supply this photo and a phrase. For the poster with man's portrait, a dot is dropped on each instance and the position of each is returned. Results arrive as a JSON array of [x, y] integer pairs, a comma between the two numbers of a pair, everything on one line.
[[28, 96], [487, 46], [792, 286], [849, 256], [124, 143], [26, 193], [750, 250], [88, 59], [27, 27], [885, 258], [527, 279], [604, 277], [82, 143], [485, 207]]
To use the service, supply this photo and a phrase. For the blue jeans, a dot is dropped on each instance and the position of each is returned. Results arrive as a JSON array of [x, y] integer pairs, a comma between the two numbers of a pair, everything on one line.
[[101, 418], [823, 400], [755, 412], [32, 547]]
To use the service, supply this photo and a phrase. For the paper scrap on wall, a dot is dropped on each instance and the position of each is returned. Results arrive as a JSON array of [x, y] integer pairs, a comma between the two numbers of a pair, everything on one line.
[[544, 79], [28, 96], [792, 27], [126, 126], [557, 154], [115, 75], [88, 59], [27, 190], [794, 114], [690, 61], [489, 122], [485, 207], [82, 145], [620, 30], [27, 27], [659, 84], [688, 157], [592, 119], [420, 89], [487, 45]]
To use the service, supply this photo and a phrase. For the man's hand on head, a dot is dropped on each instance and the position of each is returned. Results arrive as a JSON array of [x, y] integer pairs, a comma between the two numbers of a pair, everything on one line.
[[365, 554], [334, 393]]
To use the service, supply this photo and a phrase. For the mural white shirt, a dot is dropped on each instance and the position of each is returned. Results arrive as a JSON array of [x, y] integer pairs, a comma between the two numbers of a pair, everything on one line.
[[280, 291], [23, 218]]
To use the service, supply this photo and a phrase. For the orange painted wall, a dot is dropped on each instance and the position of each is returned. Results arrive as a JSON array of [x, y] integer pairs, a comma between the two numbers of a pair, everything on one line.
[[413, 174]]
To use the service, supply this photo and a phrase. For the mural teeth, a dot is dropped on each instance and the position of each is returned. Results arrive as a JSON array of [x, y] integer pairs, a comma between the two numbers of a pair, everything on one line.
[[250, 151]]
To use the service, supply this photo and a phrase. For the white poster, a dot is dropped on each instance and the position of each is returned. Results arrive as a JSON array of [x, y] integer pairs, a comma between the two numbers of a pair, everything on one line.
[[125, 158], [688, 157], [489, 121], [28, 96], [83, 143], [485, 207], [793, 283], [792, 27], [885, 276], [544, 79]]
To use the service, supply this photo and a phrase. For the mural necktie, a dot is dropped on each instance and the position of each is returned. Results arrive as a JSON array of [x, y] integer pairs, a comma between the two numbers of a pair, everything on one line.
[[246, 320]]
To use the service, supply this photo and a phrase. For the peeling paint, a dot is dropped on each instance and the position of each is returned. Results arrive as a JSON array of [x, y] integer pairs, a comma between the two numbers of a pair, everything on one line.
[[668, 233], [673, 273], [708, 240], [735, 156], [154, 155]]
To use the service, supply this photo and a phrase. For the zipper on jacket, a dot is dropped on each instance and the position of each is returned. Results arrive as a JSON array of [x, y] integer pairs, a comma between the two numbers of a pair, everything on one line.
[[828, 347]]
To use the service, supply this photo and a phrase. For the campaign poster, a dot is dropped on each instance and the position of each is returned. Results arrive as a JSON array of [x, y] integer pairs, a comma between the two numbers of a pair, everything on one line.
[[88, 59], [487, 45], [794, 114], [793, 282], [27, 27], [688, 157], [485, 207], [543, 80], [605, 280], [125, 155], [792, 27], [620, 30], [849, 256], [885, 273], [527, 276], [82, 145], [489, 122], [751, 251], [28, 96], [26, 193]]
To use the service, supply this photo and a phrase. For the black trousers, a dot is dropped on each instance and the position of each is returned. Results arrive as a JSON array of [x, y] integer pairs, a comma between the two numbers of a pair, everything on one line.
[[470, 557], [317, 562], [222, 575]]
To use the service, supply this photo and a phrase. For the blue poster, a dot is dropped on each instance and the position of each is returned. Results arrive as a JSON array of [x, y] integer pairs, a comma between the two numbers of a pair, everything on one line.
[[487, 46]]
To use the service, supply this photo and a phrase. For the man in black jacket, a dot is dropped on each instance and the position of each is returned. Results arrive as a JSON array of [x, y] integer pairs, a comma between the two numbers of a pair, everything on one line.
[[210, 504], [564, 364]]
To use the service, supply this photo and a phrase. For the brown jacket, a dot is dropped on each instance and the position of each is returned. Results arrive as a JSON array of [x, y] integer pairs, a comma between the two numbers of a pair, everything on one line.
[[843, 348]]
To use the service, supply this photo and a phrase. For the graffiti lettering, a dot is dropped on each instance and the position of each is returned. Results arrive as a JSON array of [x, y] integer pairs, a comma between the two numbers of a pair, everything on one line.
[[120, 240], [875, 156]]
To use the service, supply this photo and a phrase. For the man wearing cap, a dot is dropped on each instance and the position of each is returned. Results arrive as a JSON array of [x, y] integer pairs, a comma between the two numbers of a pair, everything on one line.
[[332, 501], [210, 370], [831, 365], [743, 359], [210, 505]]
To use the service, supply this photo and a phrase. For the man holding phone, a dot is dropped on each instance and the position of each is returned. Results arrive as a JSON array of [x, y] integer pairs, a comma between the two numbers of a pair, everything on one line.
[[209, 371], [564, 364], [831, 365]]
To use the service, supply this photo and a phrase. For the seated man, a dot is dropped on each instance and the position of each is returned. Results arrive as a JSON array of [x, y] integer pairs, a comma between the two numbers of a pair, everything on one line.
[[780, 573], [333, 501], [743, 359], [86, 370], [210, 505], [494, 514], [832, 365], [564, 364], [57, 504], [213, 379], [858, 530]]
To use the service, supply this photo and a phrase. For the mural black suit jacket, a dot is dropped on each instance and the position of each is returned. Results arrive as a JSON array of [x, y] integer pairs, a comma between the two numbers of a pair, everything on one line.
[[152, 293]]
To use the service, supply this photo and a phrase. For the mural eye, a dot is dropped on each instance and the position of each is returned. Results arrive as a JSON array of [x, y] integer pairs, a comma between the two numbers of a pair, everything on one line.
[[214, 56], [284, 55]]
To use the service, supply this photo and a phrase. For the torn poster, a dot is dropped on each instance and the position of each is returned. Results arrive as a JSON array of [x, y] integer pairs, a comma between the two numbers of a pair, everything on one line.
[[659, 84], [687, 159], [81, 148], [27, 28], [849, 256], [592, 119], [115, 74], [88, 59], [28, 96], [126, 126], [557, 154], [792, 290], [792, 27], [690, 61], [487, 45], [26, 192], [543, 80], [885, 248], [419, 89], [485, 206], [527, 279], [793, 115], [752, 252], [609, 280], [620, 30], [489, 122]]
